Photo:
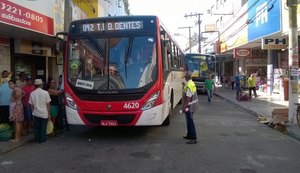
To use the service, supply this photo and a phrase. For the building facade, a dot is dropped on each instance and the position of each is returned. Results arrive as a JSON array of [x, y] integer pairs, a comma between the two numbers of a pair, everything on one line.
[[255, 37], [28, 29]]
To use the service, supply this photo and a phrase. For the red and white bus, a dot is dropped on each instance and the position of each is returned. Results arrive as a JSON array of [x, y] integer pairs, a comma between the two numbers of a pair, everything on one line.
[[121, 71]]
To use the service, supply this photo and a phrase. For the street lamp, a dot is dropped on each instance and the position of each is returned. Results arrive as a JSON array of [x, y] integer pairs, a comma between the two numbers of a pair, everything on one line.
[[190, 39]]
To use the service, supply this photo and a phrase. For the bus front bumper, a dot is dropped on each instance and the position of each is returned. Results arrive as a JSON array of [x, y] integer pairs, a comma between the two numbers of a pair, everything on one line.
[[149, 117]]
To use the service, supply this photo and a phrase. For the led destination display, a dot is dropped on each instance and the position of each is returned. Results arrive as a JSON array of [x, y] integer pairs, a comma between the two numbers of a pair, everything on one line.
[[111, 26]]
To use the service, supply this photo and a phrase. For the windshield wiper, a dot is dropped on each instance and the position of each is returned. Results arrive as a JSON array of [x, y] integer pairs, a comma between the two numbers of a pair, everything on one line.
[[128, 53]]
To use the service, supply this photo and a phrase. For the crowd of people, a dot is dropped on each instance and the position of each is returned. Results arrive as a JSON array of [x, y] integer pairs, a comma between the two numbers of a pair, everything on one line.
[[27, 105]]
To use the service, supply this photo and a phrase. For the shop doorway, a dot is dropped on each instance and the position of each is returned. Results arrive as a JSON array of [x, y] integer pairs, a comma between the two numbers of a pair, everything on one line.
[[32, 65]]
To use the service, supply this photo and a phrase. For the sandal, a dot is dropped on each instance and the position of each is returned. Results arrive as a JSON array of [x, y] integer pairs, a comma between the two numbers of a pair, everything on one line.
[[15, 140]]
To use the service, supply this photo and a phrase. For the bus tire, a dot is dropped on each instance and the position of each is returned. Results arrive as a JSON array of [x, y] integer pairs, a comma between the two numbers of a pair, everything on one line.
[[167, 120]]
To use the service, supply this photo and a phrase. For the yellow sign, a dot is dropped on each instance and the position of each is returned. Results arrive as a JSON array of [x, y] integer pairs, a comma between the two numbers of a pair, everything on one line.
[[203, 66], [195, 74]]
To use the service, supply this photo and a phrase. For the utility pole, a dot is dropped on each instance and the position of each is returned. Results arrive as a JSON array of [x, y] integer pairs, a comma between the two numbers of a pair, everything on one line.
[[190, 38], [293, 60], [199, 27]]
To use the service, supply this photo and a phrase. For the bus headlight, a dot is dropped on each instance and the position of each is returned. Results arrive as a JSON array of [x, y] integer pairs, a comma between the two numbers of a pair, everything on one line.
[[70, 102], [151, 101]]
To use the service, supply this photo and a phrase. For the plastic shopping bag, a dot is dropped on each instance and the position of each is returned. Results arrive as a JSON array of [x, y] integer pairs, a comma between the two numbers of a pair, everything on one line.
[[49, 127]]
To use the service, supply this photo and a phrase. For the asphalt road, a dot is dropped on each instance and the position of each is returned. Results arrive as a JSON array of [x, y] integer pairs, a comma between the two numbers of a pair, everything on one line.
[[230, 140]]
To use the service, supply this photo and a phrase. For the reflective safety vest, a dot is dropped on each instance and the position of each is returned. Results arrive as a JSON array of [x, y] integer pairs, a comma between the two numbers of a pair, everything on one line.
[[193, 104]]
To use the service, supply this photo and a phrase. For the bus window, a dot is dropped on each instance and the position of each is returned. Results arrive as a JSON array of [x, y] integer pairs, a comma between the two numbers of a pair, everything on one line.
[[112, 63], [140, 63]]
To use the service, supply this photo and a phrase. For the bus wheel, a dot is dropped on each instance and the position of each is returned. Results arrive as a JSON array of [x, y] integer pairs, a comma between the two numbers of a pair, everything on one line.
[[167, 120]]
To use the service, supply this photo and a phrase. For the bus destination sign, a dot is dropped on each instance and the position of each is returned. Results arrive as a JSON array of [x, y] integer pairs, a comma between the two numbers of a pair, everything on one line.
[[111, 26]]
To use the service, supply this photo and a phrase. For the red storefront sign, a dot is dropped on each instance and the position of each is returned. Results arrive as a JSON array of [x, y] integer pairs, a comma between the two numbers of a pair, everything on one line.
[[242, 53], [14, 14]]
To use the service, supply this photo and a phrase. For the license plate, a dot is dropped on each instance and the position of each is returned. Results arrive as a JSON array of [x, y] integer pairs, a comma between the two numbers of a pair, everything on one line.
[[109, 122]]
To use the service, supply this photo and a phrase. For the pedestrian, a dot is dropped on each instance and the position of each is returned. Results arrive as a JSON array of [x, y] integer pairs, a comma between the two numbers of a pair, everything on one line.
[[62, 119], [222, 79], [232, 82], [27, 90], [54, 104], [190, 105], [209, 86], [40, 105], [21, 82], [252, 85], [16, 113], [226, 81], [237, 86], [5, 75], [5, 94]]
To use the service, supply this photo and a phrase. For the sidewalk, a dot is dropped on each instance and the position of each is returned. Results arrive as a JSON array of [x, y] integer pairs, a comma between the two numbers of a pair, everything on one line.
[[262, 106], [7, 146]]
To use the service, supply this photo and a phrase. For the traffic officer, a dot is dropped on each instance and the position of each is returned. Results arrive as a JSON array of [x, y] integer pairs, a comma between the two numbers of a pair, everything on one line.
[[190, 105]]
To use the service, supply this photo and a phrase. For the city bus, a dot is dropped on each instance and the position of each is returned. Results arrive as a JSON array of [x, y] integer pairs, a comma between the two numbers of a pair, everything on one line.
[[121, 71], [200, 65]]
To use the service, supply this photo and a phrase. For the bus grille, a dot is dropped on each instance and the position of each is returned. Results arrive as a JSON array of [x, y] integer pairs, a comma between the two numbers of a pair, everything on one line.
[[122, 119]]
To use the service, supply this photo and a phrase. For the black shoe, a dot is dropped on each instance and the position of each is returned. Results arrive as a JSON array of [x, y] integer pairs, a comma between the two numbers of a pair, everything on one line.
[[187, 137], [192, 141]]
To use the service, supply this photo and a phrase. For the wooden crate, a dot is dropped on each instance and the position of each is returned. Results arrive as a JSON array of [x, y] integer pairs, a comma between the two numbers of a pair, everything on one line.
[[280, 115]]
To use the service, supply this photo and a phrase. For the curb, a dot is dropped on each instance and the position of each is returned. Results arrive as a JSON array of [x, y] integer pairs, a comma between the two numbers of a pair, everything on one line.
[[292, 131], [235, 103]]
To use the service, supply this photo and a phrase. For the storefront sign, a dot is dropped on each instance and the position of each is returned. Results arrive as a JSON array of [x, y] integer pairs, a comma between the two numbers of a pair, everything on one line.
[[263, 18], [242, 53], [274, 43], [17, 15]]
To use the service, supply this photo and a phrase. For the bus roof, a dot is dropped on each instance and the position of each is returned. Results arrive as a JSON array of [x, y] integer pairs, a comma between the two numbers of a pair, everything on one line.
[[112, 18]]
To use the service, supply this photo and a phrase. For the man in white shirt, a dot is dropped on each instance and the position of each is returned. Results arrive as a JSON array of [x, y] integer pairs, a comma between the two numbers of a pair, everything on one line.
[[40, 105]]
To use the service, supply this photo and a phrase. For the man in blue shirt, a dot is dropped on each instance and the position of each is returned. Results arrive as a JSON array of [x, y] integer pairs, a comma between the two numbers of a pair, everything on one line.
[[5, 94], [238, 85]]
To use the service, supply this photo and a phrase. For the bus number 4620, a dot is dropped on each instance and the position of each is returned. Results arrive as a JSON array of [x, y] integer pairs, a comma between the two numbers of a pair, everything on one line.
[[133, 105]]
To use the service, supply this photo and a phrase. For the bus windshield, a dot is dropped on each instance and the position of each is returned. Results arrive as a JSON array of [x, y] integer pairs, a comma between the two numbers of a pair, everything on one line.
[[112, 63], [200, 65]]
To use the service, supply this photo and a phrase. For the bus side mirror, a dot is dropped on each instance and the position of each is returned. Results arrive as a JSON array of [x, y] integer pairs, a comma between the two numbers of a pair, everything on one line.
[[58, 45], [60, 39]]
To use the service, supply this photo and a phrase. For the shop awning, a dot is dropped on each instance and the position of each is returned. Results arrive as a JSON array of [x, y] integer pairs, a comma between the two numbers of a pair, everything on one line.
[[8, 31]]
